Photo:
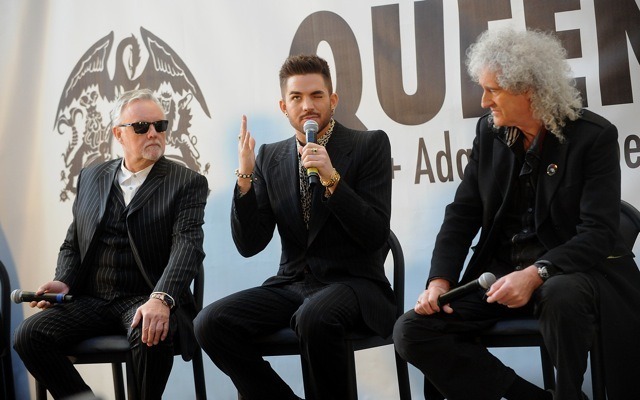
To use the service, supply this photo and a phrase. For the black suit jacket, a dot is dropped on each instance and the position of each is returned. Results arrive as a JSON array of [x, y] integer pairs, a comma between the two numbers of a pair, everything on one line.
[[164, 223], [577, 219], [347, 232]]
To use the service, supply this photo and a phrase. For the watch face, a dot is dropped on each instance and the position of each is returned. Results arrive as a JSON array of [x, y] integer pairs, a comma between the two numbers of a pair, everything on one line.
[[166, 300], [544, 274]]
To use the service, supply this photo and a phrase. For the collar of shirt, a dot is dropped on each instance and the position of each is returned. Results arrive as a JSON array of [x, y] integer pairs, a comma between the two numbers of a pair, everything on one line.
[[131, 181], [511, 134]]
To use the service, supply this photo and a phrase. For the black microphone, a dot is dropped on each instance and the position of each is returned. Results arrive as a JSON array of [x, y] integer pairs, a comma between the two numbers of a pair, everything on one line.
[[484, 281], [310, 128], [18, 296]]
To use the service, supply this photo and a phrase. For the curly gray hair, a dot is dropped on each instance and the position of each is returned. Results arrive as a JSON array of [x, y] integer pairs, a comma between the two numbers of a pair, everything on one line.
[[128, 97], [531, 61]]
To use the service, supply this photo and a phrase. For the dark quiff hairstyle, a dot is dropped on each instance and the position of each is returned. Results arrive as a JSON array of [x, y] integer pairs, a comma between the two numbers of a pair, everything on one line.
[[303, 64]]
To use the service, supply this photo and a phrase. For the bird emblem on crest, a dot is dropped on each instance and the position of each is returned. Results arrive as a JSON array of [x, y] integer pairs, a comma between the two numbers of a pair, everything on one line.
[[90, 91]]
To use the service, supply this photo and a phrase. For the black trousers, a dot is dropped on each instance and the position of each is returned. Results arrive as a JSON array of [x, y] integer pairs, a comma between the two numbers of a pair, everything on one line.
[[320, 314], [41, 341], [444, 348]]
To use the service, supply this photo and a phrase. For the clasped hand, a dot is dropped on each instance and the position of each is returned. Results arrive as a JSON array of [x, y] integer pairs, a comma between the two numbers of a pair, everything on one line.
[[516, 288], [427, 303], [512, 290]]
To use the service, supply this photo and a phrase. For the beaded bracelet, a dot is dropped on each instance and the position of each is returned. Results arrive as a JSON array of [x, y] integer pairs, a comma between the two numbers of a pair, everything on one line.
[[243, 176], [335, 177]]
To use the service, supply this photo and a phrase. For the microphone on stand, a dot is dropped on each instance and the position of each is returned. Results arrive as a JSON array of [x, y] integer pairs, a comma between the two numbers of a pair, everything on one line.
[[310, 128]]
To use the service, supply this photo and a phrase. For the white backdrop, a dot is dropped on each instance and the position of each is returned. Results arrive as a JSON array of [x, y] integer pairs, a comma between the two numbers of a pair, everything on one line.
[[232, 51]]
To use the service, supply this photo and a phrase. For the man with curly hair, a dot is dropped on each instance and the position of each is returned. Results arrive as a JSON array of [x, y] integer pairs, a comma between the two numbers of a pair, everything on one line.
[[543, 189]]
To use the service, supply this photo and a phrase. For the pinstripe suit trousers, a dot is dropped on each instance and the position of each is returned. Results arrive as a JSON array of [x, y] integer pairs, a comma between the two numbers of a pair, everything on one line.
[[41, 340], [320, 314]]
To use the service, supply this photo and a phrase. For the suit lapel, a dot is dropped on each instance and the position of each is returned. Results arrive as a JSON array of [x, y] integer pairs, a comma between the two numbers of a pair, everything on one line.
[[150, 185], [105, 183], [340, 147], [503, 167], [285, 171], [552, 168], [319, 213], [101, 189]]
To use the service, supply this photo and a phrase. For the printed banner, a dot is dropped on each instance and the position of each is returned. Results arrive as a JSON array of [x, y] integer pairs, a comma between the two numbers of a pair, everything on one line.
[[397, 66]]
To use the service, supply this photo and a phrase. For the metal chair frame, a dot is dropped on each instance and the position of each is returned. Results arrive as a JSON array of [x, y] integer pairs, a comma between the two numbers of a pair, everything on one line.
[[525, 332], [115, 350], [285, 341], [7, 390]]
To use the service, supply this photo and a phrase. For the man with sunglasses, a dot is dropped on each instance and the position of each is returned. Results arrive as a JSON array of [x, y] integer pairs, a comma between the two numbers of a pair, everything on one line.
[[130, 254]]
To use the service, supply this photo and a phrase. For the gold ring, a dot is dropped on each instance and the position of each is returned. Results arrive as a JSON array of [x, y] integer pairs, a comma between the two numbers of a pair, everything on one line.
[[314, 150]]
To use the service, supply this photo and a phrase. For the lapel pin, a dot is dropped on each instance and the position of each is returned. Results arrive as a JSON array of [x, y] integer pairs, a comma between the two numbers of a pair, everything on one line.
[[552, 169]]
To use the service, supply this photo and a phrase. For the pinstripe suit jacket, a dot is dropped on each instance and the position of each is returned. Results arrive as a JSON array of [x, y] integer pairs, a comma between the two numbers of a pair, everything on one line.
[[164, 223], [346, 232]]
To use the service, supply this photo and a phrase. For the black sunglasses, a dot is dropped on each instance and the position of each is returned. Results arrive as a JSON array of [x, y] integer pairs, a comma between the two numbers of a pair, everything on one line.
[[143, 127]]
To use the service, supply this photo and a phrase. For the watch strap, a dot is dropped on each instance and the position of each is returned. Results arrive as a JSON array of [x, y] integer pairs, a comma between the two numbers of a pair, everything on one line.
[[164, 298], [546, 268]]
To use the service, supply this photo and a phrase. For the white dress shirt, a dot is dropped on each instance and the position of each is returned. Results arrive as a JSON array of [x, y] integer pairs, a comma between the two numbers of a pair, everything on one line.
[[131, 181]]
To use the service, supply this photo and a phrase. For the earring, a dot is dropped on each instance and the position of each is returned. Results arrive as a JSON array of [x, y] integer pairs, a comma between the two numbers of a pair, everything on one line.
[[333, 110], [286, 114]]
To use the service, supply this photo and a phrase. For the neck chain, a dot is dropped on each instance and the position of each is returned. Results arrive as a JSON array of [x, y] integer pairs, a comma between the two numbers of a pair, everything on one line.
[[305, 190], [322, 141]]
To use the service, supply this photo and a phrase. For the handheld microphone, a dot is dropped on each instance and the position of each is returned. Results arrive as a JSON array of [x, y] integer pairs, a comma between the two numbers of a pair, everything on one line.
[[310, 128], [484, 281], [18, 296]]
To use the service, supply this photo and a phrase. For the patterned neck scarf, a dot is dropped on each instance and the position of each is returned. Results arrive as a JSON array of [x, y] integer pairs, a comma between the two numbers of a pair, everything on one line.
[[305, 189]]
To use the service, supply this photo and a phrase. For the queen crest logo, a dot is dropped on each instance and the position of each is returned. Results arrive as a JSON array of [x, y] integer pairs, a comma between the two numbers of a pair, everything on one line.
[[89, 94]]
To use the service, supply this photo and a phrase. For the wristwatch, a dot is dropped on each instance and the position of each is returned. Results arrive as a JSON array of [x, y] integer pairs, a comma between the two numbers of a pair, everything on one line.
[[546, 269], [543, 273], [164, 298]]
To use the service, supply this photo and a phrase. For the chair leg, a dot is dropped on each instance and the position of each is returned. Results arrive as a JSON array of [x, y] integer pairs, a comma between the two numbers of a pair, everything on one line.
[[404, 388], [351, 372], [118, 381], [198, 375], [597, 370], [132, 389], [548, 371], [41, 391], [7, 374]]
